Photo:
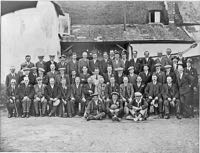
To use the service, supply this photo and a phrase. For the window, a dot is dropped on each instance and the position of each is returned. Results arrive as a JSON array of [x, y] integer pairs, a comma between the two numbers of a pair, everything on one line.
[[154, 16]]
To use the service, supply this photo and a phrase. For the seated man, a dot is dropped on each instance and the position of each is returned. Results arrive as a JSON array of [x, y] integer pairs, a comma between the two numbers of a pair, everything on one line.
[[101, 89], [26, 94], [137, 109], [115, 107], [153, 94], [12, 103], [171, 98], [52, 93], [88, 90], [66, 99], [40, 103], [95, 109], [139, 86], [126, 92]]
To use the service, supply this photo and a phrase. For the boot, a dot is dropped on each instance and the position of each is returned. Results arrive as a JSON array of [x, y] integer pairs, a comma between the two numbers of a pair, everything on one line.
[[27, 115], [24, 115]]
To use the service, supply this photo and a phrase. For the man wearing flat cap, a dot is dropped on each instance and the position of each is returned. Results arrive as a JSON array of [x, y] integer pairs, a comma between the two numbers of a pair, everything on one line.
[[40, 102], [160, 74], [117, 62], [135, 62], [94, 62], [95, 109], [12, 75], [62, 63], [137, 109], [40, 63], [115, 107], [62, 75], [27, 63], [48, 64]]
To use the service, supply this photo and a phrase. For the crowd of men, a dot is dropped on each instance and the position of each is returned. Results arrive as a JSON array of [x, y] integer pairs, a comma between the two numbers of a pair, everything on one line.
[[113, 87]]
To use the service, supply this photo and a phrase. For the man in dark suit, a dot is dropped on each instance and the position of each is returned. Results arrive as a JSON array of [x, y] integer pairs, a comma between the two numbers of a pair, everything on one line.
[[125, 62], [108, 74], [62, 63], [27, 63], [73, 64], [119, 75], [146, 75], [105, 63], [12, 75], [117, 62], [148, 61], [135, 62], [167, 60], [84, 75], [154, 98], [95, 109], [160, 74], [40, 63], [78, 97], [88, 90], [12, 103], [48, 64], [62, 75], [171, 98], [94, 63], [42, 76], [52, 93], [33, 75], [185, 84], [52, 73], [26, 94], [83, 62], [139, 86], [169, 72]]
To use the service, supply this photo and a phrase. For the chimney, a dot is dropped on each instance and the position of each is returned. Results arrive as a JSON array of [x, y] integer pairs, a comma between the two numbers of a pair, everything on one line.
[[170, 7]]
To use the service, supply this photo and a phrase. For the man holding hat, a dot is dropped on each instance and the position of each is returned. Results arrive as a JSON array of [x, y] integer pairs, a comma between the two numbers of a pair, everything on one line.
[[171, 98], [115, 107], [153, 92], [49, 63], [52, 93], [40, 102], [137, 109], [94, 63], [12, 103], [26, 95], [160, 74], [117, 62], [40, 63], [27, 63], [12, 75], [95, 109]]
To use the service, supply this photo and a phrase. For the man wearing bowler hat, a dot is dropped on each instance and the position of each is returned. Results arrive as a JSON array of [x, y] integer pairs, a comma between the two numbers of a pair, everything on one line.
[[40, 63], [48, 64], [160, 74], [95, 109], [62, 75]]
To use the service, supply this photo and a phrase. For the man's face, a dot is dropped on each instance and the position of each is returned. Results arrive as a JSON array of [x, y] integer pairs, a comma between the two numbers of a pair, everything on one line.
[[73, 72], [168, 69], [40, 59], [180, 69], [52, 81], [138, 98], [120, 72], [134, 54], [168, 51], [84, 55], [85, 69], [39, 81], [63, 81], [52, 58], [101, 80], [105, 56], [26, 72], [95, 98], [112, 80], [74, 57], [13, 82], [139, 79], [125, 80], [96, 71], [89, 81], [154, 78], [146, 54], [62, 59], [109, 69], [28, 59], [112, 53], [117, 56], [169, 80], [26, 80], [124, 56], [77, 80], [175, 61], [52, 67], [40, 73], [131, 71], [12, 70], [146, 68], [188, 64], [94, 56], [62, 72], [158, 68], [114, 97]]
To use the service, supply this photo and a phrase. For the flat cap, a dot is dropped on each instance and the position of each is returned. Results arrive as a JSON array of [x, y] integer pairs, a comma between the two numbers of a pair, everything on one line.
[[167, 66], [41, 56], [157, 64], [131, 67], [41, 69], [115, 93], [62, 68], [119, 69], [138, 94], [26, 69]]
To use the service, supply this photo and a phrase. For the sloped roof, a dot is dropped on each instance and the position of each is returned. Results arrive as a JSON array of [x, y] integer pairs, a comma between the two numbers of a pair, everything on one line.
[[190, 11], [96, 33]]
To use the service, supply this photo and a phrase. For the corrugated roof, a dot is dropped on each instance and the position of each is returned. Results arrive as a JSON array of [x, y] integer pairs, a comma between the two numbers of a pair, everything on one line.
[[97, 33]]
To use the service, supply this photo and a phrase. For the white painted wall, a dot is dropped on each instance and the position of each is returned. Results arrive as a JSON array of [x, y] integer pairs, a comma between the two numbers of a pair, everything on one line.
[[31, 31]]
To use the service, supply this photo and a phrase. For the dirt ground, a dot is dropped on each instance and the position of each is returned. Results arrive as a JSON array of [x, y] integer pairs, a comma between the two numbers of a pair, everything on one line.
[[76, 134]]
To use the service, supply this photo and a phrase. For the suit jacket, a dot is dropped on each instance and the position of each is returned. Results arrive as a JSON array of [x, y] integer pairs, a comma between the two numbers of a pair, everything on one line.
[[40, 64], [145, 78], [26, 91], [161, 77], [167, 60], [141, 103], [107, 77], [86, 92], [132, 79], [192, 72], [170, 92], [93, 65], [32, 78], [25, 64], [126, 66], [101, 89], [149, 62], [72, 66], [136, 64], [66, 93], [173, 75], [10, 92], [77, 93], [84, 78], [52, 75], [54, 92], [39, 91], [139, 88], [110, 89], [9, 77], [161, 61], [104, 64], [47, 66], [59, 78], [130, 91], [82, 63], [62, 65], [119, 79], [153, 90], [117, 65], [184, 84], [93, 108]]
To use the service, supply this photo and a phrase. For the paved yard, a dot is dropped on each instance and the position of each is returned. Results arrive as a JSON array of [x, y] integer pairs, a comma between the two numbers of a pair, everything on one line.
[[76, 134]]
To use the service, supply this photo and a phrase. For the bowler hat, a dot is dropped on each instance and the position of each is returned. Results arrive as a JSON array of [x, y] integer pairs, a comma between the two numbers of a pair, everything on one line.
[[115, 93], [41, 69], [157, 64], [167, 66], [138, 94], [131, 67]]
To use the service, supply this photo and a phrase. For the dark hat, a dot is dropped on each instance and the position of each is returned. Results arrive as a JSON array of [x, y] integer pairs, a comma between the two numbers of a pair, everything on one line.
[[28, 56], [41, 69], [175, 57], [38, 78], [115, 93], [167, 66], [157, 64], [168, 50], [189, 60], [119, 69], [64, 56], [94, 94], [62, 68], [138, 94], [26, 69], [34, 68], [40, 56], [131, 67]]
